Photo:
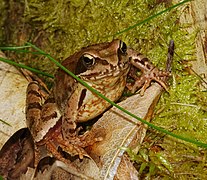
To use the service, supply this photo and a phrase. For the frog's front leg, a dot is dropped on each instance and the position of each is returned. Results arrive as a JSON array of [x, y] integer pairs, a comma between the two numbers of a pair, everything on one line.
[[149, 73], [69, 126]]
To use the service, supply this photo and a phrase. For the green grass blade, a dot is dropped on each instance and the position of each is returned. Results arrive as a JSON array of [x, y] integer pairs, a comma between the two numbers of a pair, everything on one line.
[[19, 49], [25, 67], [14, 48], [4, 122]]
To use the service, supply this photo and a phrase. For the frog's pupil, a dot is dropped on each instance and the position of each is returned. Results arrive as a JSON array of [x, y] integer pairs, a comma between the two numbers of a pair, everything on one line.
[[88, 61]]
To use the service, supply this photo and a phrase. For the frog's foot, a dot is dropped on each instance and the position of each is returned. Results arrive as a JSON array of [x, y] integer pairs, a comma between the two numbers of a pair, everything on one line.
[[73, 144], [78, 143], [146, 78]]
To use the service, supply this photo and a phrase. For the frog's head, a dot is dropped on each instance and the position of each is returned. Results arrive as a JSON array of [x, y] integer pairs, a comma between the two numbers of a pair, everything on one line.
[[102, 60], [100, 65]]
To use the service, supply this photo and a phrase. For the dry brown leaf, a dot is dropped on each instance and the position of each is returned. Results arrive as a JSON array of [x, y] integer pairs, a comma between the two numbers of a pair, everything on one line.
[[126, 170], [17, 154], [12, 100]]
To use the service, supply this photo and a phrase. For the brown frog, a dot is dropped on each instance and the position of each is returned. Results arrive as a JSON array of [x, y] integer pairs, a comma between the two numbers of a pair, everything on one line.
[[52, 119]]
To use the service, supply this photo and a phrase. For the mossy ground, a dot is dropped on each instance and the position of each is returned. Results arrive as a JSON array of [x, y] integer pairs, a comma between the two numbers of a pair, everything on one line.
[[62, 27]]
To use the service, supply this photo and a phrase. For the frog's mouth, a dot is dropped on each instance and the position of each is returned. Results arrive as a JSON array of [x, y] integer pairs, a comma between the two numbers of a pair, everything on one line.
[[112, 71]]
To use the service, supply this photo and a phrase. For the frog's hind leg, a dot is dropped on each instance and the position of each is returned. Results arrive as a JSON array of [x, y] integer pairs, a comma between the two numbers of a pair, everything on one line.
[[34, 100], [31, 77]]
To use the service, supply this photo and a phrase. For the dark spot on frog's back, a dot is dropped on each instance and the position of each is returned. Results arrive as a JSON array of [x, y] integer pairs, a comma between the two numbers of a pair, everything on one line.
[[49, 117], [35, 93], [82, 96], [35, 105], [50, 100]]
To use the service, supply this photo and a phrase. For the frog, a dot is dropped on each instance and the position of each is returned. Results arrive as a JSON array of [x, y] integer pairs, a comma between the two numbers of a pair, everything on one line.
[[53, 117]]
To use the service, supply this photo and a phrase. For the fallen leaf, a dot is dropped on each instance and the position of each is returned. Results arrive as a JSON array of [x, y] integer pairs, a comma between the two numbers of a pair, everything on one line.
[[17, 155], [12, 100], [126, 170]]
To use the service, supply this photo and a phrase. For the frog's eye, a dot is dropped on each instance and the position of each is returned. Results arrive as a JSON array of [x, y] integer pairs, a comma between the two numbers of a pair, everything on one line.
[[88, 60], [85, 63], [123, 47]]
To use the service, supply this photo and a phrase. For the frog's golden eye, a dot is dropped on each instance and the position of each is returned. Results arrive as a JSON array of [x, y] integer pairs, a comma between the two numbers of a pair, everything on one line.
[[88, 60], [85, 63], [123, 47]]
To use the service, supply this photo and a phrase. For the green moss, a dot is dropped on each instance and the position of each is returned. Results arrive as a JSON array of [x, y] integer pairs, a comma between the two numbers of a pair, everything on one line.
[[70, 25], [182, 112]]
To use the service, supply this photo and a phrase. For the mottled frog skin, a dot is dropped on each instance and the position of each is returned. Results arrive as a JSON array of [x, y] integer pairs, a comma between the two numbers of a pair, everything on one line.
[[52, 119]]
